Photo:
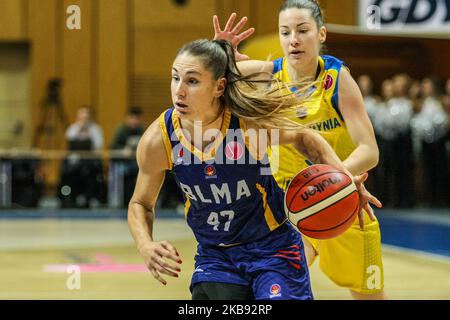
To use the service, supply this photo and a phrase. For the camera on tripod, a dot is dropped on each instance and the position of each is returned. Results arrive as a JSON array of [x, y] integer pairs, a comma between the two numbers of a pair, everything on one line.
[[53, 91]]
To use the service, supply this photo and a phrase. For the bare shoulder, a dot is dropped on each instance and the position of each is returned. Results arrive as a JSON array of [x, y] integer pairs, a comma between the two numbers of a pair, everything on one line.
[[346, 82], [151, 150]]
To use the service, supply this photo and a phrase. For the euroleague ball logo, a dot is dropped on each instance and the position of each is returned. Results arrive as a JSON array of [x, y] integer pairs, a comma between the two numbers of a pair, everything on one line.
[[234, 150], [275, 290], [328, 82]]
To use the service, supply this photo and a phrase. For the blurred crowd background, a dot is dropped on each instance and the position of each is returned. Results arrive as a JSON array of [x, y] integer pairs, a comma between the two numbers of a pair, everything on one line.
[[74, 102], [411, 122]]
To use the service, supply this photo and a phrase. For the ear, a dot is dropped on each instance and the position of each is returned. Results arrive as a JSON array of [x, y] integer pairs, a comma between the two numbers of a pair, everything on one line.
[[322, 35], [221, 86]]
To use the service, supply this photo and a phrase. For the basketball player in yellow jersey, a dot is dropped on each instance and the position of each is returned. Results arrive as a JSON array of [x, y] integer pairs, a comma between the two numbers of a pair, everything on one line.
[[336, 109]]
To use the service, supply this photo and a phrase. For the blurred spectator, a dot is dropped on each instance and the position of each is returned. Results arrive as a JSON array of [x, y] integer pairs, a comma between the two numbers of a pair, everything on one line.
[[82, 182], [394, 129], [387, 92], [430, 125], [446, 98], [416, 96], [379, 118], [124, 165], [371, 101], [84, 134], [128, 134]]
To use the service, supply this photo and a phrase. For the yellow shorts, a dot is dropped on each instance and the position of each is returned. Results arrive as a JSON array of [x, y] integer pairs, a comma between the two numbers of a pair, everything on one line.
[[353, 259]]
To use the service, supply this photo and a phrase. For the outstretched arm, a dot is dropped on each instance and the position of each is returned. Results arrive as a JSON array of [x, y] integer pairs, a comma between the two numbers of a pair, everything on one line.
[[152, 161]]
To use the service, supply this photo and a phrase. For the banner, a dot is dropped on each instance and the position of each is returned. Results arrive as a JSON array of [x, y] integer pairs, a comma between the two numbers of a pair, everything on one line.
[[421, 16]]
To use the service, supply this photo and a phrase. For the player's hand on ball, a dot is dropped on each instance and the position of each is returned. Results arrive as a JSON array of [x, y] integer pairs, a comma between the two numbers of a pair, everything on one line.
[[157, 256], [232, 34], [365, 198]]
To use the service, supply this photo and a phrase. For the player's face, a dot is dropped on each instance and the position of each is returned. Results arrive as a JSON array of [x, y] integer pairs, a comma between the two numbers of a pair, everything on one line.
[[427, 87], [84, 115], [387, 89], [195, 92], [300, 37]]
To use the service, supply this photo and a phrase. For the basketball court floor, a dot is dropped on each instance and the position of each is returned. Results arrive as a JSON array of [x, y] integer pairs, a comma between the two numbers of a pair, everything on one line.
[[42, 252]]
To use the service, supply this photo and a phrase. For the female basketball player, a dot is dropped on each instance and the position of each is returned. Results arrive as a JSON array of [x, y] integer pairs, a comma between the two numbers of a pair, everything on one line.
[[336, 108], [232, 202]]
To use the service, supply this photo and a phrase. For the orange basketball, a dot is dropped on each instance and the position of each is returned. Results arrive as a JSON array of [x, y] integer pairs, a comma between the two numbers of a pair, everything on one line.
[[321, 201]]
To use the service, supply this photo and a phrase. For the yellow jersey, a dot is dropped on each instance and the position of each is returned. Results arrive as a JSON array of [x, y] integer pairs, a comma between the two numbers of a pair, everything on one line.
[[320, 112]]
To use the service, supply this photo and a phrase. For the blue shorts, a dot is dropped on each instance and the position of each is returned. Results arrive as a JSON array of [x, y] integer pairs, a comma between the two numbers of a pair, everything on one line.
[[274, 266]]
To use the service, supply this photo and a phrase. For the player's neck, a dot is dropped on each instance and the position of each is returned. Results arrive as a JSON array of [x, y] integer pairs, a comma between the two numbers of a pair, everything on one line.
[[213, 121], [305, 71]]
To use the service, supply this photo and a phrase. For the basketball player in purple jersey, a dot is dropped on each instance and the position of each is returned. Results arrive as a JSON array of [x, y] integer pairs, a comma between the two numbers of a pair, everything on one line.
[[246, 249]]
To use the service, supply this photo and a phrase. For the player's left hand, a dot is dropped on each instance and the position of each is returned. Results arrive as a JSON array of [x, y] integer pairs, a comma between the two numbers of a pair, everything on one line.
[[232, 34], [365, 198]]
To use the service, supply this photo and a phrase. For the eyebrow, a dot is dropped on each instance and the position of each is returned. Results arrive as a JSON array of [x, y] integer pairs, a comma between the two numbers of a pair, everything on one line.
[[189, 72], [299, 25]]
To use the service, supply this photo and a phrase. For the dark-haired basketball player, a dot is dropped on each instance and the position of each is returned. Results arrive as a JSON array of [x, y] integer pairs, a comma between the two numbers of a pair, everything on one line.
[[232, 201]]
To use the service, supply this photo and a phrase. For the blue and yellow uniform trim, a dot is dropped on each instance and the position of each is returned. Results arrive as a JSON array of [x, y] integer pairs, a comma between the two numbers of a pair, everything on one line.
[[227, 199], [352, 259]]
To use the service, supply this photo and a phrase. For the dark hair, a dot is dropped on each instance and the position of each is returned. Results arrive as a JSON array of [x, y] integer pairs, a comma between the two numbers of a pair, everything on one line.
[[312, 5], [213, 53], [276, 105], [218, 57], [134, 111]]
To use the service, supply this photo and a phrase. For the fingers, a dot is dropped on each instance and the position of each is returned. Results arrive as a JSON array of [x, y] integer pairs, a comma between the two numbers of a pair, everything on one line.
[[157, 264], [361, 178], [216, 24], [370, 212], [239, 25], [244, 35], [169, 251], [368, 197], [361, 219], [230, 22], [364, 176], [157, 276], [163, 267], [375, 201], [241, 57]]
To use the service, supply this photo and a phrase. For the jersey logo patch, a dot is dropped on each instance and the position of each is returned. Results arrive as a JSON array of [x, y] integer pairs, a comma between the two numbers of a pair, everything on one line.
[[210, 171], [302, 112], [328, 82], [180, 156], [275, 291]]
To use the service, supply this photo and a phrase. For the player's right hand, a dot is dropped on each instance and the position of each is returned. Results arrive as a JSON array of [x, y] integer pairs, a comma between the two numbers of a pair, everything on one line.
[[232, 34], [157, 256], [365, 199]]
